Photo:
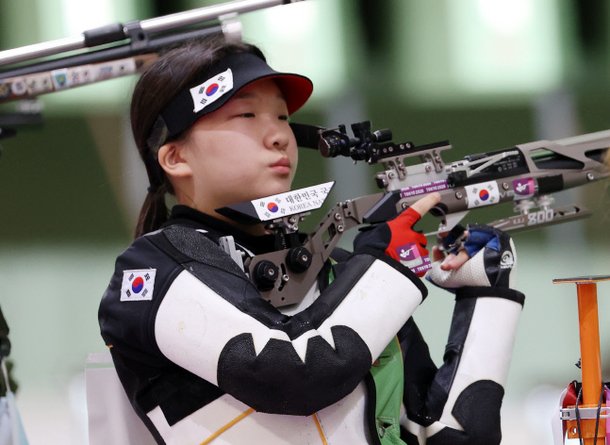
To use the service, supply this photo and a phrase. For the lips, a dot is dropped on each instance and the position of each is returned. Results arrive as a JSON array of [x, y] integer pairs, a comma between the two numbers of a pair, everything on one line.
[[281, 167], [284, 162]]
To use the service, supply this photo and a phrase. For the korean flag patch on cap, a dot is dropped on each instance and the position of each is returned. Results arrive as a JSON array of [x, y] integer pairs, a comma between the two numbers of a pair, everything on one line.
[[211, 90], [138, 284]]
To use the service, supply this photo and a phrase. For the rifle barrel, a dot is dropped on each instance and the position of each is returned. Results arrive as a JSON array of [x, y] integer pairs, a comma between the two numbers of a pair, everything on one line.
[[42, 49], [153, 25]]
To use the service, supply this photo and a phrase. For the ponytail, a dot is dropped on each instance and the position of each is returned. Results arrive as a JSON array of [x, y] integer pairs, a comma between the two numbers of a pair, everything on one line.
[[153, 212]]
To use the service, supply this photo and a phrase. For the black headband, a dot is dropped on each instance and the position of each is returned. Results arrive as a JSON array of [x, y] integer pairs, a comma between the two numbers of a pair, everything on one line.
[[215, 86]]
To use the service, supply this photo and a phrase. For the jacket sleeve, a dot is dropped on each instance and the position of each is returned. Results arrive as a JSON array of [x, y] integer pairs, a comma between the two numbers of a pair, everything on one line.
[[212, 321]]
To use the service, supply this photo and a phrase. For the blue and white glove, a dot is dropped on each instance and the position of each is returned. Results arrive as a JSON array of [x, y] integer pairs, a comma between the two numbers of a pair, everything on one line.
[[492, 259], [476, 360]]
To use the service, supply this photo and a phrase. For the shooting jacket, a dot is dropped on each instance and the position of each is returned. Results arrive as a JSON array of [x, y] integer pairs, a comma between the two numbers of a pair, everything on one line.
[[203, 357]]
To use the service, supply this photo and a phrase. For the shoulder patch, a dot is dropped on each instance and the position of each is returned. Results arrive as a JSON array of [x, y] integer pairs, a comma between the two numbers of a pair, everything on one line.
[[138, 284]]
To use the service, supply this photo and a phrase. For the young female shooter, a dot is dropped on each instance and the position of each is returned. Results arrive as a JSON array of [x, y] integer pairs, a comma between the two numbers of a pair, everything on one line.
[[204, 359]]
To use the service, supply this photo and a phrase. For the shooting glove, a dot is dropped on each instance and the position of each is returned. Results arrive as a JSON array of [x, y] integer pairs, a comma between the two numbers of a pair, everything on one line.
[[397, 239], [479, 350], [492, 259]]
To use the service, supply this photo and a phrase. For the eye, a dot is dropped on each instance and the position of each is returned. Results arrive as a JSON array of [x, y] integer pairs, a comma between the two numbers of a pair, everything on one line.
[[283, 117], [246, 115]]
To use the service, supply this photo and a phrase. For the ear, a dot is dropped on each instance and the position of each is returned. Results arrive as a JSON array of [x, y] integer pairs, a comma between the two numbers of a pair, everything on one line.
[[172, 161]]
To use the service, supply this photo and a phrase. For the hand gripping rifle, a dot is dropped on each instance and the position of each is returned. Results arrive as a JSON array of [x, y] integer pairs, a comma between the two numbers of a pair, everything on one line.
[[526, 174]]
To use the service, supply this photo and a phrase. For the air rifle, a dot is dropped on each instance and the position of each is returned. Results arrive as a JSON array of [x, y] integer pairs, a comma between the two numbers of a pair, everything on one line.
[[34, 68], [112, 51], [527, 175]]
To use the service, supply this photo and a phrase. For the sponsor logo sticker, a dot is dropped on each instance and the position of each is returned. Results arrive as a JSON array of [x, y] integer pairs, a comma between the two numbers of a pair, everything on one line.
[[39, 83], [507, 261], [524, 188], [410, 257], [427, 187], [18, 86], [5, 89], [60, 78]]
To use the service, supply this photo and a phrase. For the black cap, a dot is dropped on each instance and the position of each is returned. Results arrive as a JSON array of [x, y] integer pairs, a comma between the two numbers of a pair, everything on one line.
[[216, 85]]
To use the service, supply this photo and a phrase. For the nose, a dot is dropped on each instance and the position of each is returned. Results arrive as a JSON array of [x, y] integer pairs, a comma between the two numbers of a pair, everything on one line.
[[277, 135]]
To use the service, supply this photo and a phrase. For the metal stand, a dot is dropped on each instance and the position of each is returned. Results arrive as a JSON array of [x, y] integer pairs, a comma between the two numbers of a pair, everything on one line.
[[591, 418]]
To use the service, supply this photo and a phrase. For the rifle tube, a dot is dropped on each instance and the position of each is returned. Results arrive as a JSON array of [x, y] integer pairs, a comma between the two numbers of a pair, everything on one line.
[[111, 33], [36, 50]]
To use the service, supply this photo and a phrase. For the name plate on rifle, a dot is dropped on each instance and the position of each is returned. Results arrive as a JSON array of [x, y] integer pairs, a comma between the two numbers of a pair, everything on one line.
[[280, 205]]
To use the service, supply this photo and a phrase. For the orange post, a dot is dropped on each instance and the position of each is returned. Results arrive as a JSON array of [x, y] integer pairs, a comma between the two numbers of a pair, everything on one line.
[[590, 358], [589, 343]]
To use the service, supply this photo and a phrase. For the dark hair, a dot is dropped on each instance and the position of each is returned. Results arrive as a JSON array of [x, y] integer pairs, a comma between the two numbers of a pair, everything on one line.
[[159, 84]]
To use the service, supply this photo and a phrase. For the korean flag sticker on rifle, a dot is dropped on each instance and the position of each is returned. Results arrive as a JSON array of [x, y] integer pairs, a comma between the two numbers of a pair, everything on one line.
[[138, 284], [482, 194], [211, 90]]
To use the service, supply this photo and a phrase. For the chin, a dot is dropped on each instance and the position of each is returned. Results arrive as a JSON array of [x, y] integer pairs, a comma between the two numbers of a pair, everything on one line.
[[275, 190]]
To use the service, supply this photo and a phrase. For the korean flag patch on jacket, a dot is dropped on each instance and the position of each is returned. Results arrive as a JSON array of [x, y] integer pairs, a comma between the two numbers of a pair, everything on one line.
[[138, 284]]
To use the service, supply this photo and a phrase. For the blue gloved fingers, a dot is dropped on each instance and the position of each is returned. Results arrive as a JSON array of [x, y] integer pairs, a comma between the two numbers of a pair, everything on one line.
[[452, 241], [487, 260], [479, 237]]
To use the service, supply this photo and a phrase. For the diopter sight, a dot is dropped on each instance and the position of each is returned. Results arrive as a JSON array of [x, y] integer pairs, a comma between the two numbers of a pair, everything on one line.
[[361, 147]]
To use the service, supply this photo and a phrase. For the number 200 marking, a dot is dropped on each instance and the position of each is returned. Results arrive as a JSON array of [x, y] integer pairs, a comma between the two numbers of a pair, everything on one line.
[[540, 217]]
